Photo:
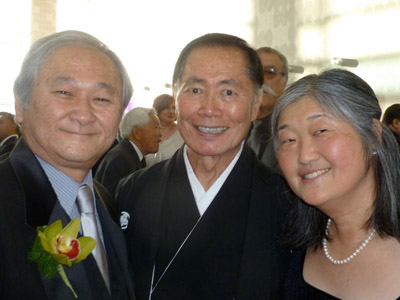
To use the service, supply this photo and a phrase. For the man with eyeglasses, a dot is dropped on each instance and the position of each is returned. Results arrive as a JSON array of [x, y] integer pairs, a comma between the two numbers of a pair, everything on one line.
[[275, 67]]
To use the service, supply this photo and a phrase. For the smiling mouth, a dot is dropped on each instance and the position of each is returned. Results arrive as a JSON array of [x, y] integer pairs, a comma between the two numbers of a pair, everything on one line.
[[80, 133], [316, 173], [213, 130]]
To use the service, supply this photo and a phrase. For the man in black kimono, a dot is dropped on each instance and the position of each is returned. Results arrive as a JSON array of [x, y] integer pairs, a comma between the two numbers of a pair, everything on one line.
[[205, 224]]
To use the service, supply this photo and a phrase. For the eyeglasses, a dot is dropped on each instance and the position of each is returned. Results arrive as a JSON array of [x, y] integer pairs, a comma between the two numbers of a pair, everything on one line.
[[270, 72]]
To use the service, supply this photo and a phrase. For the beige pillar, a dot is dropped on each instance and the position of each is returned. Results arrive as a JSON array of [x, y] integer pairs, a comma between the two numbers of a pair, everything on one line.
[[44, 18]]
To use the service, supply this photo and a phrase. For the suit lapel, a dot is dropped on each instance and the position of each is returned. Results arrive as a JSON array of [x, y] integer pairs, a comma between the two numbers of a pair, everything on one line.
[[40, 198], [132, 152]]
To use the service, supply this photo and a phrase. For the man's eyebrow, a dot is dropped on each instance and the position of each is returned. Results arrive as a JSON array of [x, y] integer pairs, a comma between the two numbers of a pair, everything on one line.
[[64, 79], [194, 79], [229, 81], [106, 86]]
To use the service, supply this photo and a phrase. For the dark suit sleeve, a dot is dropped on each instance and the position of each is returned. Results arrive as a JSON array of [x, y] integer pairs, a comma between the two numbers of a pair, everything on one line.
[[112, 169], [128, 186]]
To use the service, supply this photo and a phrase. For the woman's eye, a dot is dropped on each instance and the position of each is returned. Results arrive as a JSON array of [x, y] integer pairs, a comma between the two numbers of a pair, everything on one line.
[[286, 141], [195, 90]]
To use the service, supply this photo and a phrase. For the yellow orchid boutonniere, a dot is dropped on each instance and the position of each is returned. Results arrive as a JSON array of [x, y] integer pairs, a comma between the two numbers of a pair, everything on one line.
[[55, 247]]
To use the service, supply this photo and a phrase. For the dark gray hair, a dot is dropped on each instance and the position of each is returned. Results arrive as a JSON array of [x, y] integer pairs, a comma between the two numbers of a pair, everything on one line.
[[254, 66], [346, 96], [285, 64], [43, 48], [138, 116]]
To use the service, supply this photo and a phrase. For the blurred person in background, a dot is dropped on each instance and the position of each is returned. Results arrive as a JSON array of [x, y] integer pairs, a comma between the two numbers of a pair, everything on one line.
[[171, 139], [141, 133], [391, 118], [9, 132], [276, 70]]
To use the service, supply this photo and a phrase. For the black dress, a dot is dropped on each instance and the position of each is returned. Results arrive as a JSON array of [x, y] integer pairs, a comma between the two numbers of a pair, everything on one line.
[[295, 286]]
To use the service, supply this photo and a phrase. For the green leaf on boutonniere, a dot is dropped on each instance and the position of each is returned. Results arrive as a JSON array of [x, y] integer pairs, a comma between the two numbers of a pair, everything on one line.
[[44, 260]]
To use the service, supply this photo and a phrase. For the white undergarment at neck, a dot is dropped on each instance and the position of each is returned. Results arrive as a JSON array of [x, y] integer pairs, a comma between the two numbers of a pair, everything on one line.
[[204, 198]]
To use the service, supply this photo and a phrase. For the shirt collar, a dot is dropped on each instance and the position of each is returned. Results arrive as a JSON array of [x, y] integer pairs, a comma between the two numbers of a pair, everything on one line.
[[139, 153], [64, 186], [204, 198]]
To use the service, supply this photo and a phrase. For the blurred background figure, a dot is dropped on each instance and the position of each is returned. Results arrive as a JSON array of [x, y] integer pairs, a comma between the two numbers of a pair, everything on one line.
[[171, 140], [9, 132], [141, 132], [343, 165], [391, 118], [276, 71]]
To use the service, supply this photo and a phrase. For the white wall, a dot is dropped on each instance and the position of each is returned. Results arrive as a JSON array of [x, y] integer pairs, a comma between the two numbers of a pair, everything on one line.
[[311, 32]]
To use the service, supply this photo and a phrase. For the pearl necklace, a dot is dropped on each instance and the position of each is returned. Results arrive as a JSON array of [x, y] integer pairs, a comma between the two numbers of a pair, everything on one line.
[[351, 256]]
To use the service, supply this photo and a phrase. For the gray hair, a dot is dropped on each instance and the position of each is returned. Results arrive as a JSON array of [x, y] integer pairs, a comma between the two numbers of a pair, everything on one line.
[[348, 97], [43, 48], [139, 116]]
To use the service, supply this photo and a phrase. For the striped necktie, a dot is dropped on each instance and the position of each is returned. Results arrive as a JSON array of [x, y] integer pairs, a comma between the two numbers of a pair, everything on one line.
[[85, 203]]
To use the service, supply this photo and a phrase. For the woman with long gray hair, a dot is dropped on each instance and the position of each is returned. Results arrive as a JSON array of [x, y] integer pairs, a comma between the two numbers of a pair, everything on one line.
[[343, 166]]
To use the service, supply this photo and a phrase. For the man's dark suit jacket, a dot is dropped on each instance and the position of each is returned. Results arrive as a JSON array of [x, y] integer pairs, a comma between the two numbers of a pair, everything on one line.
[[119, 162], [8, 145], [259, 139], [27, 200], [97, 164], [233, 252]]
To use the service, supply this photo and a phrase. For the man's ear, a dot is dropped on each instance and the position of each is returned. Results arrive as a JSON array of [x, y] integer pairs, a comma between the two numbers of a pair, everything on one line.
[[285, 81], [136, 132], [256, 107], [19, 111], [395, 125]]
